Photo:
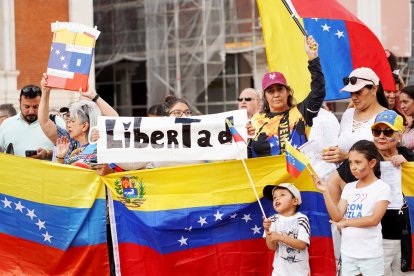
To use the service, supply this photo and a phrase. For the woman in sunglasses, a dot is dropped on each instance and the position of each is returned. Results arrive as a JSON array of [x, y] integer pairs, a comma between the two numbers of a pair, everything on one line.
[[368, 100], [280, 119], [387, 134]]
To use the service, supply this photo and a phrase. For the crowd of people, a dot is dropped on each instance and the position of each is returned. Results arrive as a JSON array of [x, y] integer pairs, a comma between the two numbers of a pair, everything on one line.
[[376, 127]]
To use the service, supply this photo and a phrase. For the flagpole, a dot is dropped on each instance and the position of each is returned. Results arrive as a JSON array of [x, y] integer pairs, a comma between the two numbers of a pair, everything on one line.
[[251, 181], [294, 18], [230, 126]]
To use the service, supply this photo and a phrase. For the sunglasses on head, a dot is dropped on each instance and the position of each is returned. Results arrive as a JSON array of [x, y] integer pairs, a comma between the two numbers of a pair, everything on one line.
[[388, 132], [247, 99], [30, 91], [353, 80]]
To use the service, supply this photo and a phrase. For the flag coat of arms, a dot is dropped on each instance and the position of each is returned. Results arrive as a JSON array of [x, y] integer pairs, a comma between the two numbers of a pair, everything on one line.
[[71, 55], [345, 43], [204, 219], [52, 219]]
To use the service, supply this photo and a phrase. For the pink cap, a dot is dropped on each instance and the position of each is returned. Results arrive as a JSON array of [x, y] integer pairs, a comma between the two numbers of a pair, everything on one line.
[[273, 78]]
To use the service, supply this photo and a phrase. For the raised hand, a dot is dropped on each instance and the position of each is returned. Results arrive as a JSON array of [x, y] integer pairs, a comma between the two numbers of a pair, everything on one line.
[[319, 184], [62, 147], [311, 47]]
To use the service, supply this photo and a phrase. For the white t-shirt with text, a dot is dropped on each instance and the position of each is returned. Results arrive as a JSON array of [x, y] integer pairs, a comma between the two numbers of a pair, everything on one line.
[[357, 242]]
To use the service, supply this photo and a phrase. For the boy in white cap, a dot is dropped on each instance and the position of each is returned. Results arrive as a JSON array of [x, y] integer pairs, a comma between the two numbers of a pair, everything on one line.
[[288, 231]]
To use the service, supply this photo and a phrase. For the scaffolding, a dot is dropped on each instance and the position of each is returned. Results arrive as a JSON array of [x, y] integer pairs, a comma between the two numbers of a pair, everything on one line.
[[184, 45]]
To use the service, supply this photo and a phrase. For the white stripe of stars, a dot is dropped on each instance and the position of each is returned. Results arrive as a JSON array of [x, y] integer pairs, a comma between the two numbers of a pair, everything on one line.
[[31, 213]]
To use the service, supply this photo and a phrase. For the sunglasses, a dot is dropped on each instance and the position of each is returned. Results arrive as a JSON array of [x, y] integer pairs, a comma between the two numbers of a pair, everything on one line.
[[388, 132], [353, 80], [247, 99], [31, 91], [179, 113]]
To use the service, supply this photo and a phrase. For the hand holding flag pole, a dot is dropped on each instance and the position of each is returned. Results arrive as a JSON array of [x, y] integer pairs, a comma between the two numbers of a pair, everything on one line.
[[237, 138], [293, 16]]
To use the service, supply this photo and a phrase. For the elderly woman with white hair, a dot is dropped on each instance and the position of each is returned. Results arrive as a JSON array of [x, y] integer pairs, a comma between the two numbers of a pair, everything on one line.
[[72, 146]]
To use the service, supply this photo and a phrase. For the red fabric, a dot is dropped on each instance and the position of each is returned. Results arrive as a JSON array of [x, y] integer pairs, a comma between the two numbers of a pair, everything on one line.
[[23, 257], [249, 257], [292, 170], [366, 49]]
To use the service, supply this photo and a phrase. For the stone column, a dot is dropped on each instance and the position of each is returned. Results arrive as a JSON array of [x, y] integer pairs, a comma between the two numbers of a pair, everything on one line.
[[8, 72]]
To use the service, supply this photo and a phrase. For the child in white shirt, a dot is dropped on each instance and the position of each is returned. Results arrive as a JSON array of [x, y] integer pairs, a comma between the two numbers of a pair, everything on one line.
[[288, 231], [359, 212]]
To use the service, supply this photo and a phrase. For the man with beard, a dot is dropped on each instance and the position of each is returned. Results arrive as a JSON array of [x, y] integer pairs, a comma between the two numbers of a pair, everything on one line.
[[23, 130]]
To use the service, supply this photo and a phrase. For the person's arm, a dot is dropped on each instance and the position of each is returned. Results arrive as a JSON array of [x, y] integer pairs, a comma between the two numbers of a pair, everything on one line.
[[289, 241], [336, 210], [47, 125], [310, 106], [337, 181], [272, 245], [368, 221], [105, 108]]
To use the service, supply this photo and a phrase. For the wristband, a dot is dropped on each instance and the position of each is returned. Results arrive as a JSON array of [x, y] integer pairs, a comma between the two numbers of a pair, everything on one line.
[[57, 157], [96, 97]]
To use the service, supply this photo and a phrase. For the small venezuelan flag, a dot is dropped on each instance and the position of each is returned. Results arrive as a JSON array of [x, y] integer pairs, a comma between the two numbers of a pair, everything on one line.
[[296, 162], [236, 135]]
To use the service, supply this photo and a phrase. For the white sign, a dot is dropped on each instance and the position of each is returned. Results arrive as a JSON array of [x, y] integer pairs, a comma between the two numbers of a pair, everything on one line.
[[138, 139], [392, 176]]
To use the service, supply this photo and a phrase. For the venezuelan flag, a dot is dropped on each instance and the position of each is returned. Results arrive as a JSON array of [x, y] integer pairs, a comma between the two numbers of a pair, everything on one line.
[[345, 43], [52, 219], [204, 219], [408, 191], [296, 162]]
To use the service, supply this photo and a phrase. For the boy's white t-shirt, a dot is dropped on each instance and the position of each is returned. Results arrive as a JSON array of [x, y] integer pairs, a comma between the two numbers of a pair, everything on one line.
[[288, 260], [357, 242]]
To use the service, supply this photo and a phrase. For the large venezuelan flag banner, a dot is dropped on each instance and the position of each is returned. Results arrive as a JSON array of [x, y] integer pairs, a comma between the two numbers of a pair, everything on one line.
[[408, 191], [345, 43], [205, 220], [52, 219]]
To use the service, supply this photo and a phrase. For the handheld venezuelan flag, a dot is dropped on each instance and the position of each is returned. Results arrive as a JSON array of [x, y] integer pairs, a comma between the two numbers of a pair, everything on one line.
[[173, 220], [296, 162], [234, 133], [71, 55], [53, 219], [345, 43]]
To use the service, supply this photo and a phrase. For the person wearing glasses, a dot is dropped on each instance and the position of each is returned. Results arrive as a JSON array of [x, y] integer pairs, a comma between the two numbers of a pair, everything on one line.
[[23, 130], [250, 100], [179, 108], [368, 100], [175, 107], [280, 119], [386, 130]]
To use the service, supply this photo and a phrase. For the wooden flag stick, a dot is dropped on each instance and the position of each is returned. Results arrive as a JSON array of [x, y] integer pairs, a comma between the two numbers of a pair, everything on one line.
[[250, 179]]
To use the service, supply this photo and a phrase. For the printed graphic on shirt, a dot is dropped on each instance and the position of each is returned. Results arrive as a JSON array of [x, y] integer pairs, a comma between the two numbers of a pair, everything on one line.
[[276, 129], [291, 228], [354, 209]]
